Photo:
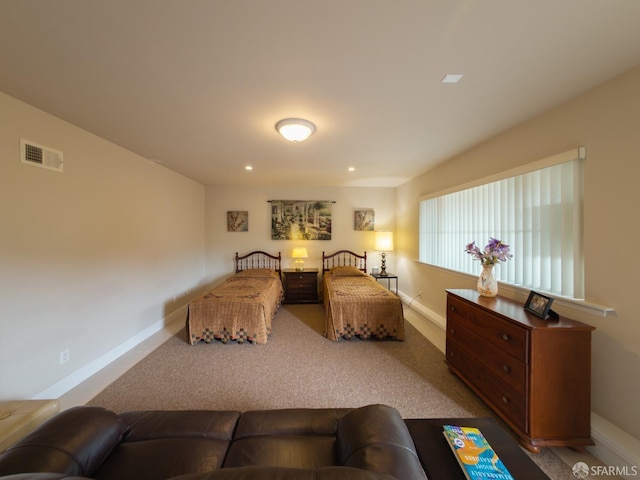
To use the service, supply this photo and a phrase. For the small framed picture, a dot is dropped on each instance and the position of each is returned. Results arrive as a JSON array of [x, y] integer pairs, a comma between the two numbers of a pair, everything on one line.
[[538, 304], [238, 221]]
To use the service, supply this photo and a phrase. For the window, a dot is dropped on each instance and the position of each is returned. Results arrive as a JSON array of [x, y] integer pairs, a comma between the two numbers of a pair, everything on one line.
[[536, 209]]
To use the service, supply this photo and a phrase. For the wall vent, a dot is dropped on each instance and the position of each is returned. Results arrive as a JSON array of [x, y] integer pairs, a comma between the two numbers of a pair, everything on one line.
[[40, 156]]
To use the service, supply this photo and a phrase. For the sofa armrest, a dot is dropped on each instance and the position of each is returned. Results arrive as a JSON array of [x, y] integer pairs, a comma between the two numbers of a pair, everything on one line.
[[376, 438], [74, 442]]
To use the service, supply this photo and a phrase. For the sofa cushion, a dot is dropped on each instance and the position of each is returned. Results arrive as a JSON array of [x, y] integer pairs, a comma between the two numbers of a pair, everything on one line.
[[164, 444], [376, 438], [42, 476], [299, 438], [295, 421], [74, 442], [283, 473]]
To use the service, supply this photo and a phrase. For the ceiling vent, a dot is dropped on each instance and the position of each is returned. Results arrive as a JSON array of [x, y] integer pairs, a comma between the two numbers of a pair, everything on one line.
[[33, 154]]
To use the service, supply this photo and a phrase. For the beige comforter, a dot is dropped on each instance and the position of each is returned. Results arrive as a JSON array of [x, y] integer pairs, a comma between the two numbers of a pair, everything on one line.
[[240, 309], [355, 304]]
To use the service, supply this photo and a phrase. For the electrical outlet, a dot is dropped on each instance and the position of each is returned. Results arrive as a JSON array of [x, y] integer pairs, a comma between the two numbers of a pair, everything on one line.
[[64, 356], [419, 293]]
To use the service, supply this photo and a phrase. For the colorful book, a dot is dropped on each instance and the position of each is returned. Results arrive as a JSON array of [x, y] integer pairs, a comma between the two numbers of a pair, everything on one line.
[[474, 454]]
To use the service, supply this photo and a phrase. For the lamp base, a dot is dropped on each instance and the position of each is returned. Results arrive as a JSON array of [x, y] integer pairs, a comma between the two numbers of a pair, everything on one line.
[[299, 265], [383, 265]]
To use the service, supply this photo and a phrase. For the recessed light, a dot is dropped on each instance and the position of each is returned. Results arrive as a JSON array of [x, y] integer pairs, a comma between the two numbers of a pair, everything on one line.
[[248, 168], [352, 169], [452, 78]]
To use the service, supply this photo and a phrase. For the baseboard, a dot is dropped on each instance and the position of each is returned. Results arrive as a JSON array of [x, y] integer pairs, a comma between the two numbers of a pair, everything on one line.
[[172, 323], [613, 446], [427, 313], [430, 325]]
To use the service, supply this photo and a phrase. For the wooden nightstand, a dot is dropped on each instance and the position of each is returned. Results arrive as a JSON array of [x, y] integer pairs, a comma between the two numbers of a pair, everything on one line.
[[300, 287]]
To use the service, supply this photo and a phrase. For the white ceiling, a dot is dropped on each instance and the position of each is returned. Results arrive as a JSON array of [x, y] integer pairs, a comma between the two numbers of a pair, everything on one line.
[[198, 85]]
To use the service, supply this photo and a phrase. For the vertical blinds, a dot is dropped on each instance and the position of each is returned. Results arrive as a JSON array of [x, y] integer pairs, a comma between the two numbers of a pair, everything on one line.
[[538, 213]]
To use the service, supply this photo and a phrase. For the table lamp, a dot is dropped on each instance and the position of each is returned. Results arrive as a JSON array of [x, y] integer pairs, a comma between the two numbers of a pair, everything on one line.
[[384, 244], [299, 253]]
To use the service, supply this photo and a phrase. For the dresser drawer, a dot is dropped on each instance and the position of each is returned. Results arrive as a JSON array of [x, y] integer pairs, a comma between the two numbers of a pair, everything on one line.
[[503, 334], [302, 278], [301, 287], [293, 297], [511, 403], [506, 367]]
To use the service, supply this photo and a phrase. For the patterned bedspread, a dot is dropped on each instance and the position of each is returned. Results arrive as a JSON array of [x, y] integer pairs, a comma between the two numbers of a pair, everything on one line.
[[240, 309], [358, 305]]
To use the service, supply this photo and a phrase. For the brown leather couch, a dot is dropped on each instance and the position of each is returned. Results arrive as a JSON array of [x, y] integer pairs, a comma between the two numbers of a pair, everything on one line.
[[367, 443]]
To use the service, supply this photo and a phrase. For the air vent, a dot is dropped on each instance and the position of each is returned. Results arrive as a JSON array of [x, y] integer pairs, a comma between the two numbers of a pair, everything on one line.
[[40, 156]]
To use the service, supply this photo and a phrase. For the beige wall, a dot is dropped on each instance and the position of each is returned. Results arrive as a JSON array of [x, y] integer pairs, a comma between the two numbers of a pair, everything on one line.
[[606, 121], [88, 258], [91, 257], [222, 245]]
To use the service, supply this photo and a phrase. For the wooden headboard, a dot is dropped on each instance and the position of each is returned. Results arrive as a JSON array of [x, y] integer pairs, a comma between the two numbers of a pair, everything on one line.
[[258, 259], [344, 258]]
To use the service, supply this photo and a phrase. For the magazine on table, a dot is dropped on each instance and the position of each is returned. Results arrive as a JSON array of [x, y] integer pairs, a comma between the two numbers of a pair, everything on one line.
[[474, 454]]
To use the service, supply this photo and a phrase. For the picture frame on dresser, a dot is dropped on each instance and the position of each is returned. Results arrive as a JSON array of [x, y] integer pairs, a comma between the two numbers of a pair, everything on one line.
[[539, 305]]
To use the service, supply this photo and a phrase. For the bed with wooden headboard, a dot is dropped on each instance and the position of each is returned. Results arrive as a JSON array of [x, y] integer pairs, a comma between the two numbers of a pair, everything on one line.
[[355, 304], [242, 308]]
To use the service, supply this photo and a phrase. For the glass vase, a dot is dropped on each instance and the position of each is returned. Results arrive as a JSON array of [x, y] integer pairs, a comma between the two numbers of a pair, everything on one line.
[[487, 283]]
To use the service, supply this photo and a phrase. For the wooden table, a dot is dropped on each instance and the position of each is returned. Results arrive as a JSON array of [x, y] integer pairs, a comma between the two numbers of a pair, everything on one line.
[[437, 458]]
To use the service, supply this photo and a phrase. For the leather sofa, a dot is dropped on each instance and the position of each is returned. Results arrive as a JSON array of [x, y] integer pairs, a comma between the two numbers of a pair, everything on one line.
[[367, 443]]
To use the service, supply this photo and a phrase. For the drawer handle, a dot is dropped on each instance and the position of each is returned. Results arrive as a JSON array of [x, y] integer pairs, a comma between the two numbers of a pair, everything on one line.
[[506, 337], [505, 399], [453, 331], [453, 309], [505, 368], [451, 354]]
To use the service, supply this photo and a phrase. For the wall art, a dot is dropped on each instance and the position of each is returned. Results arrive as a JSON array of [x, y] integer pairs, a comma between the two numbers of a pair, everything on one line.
[[301, 219], [363, 220], [237, 221]]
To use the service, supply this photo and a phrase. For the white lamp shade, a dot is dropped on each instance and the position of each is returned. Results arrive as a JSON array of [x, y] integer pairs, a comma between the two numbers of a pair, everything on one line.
[[384, 241], [295, 129], [299, 252]]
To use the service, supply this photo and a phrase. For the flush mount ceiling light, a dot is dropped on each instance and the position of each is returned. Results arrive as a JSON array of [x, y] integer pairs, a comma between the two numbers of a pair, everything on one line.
[[295, 129]]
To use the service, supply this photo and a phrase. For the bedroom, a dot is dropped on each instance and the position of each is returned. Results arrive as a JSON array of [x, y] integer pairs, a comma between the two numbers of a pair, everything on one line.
[[116, 246]]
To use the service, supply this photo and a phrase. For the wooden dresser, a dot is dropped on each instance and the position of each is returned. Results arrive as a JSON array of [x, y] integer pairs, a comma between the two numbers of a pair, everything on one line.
[[300, 286], [534, 373]]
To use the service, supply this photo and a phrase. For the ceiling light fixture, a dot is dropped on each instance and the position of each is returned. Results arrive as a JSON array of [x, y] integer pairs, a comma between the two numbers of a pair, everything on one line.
[[295, 129]]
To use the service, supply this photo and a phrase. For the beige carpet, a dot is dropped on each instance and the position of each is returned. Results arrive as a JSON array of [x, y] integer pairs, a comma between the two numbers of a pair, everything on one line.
[[298, 367]]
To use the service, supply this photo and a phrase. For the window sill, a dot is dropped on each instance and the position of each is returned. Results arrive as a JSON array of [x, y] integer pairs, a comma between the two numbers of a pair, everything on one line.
[[563, 304]]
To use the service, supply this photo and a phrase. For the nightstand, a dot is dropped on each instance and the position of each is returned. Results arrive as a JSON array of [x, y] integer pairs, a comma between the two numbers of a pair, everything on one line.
[[388, 277], [300, 286]]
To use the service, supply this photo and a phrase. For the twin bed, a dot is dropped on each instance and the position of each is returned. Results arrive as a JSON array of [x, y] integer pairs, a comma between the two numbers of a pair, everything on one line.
[[242, 308], [355, 304]]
